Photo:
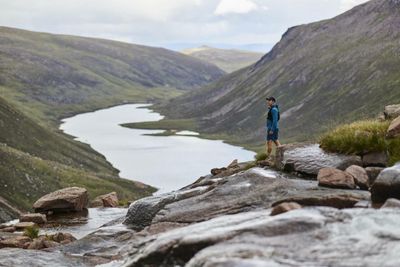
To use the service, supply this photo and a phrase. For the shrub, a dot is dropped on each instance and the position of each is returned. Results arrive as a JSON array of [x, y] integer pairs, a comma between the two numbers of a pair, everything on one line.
[[31, 232]]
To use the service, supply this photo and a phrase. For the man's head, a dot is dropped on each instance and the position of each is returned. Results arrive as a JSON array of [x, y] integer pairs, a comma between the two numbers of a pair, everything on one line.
[[270, 101]]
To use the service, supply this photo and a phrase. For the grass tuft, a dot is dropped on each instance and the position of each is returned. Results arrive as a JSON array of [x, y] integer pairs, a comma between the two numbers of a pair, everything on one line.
[[260, 156], [31, 232], [360, 138]]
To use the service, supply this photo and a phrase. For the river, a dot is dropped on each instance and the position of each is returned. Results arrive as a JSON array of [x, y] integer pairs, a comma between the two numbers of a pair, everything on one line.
[[165, 162]]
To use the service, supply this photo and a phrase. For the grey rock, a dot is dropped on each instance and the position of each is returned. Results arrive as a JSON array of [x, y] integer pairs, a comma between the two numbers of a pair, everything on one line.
[[309, 159], [392, 112], [256, 239], [391, 203], [387, 185], [373, 173], [375, 159]]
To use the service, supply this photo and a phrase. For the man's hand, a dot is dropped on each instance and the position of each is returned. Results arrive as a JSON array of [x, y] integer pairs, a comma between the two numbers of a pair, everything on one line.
[[271, 132]]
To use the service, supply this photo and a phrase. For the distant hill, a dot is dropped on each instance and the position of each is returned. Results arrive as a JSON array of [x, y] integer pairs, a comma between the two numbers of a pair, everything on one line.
[[75, 74], [229, 60], [323, 74]]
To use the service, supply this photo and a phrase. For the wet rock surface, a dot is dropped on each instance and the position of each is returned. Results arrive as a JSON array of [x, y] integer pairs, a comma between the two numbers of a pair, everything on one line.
[[308, 159], [226, 221]]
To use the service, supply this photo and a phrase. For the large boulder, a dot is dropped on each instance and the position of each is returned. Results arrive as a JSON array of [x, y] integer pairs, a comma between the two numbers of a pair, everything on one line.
[[64, 200], [394, 128], [308, 159], [392, 111], [360, 176], [331, 177], [387, 185]]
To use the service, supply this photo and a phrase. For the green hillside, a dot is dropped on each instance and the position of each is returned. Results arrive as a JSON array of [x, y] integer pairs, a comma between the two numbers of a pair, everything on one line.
[[228, 60], [323, 74], [53, 76]]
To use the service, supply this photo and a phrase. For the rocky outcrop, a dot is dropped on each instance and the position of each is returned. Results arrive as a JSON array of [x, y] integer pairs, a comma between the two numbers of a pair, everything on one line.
[[33, 217], [360, 176], [331, 177], [63, 200], [309, 159], [23, 225], [245, 191], [387, 185], [394, 128]]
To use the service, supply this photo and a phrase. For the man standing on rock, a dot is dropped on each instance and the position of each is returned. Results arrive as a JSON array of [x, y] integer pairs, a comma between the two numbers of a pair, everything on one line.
[[272, 125]]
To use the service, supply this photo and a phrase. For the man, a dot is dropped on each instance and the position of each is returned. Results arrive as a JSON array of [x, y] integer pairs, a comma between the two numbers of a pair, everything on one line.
[[272, 125]]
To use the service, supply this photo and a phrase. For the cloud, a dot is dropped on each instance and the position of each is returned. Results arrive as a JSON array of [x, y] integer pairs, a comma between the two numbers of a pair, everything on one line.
[[349, 4], [235, 6]]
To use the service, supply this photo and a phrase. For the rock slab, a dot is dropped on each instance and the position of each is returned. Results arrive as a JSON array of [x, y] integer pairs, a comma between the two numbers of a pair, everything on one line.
[[33, 217], [360, 176], [394, 128]]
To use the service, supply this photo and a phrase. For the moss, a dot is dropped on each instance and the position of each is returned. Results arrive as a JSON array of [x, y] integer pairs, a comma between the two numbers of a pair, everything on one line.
[[31, 232], [360, 138]]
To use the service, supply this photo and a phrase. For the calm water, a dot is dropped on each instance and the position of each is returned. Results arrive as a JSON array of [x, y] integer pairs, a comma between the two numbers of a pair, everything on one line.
[[166, 162]]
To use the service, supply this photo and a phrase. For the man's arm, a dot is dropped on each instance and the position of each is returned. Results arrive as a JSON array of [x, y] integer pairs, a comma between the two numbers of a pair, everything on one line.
[[274, 119]]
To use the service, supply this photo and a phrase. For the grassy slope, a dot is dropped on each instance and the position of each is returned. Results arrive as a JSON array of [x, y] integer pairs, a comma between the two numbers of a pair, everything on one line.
[[228, 60], [316, 72], [25, 178]]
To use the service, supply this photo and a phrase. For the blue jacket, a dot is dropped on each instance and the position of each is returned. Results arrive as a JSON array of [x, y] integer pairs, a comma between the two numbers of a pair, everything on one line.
[[272, 125]]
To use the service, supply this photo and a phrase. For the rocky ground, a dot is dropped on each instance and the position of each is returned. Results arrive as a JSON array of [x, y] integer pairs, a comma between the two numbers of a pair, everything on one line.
[[253, 217]]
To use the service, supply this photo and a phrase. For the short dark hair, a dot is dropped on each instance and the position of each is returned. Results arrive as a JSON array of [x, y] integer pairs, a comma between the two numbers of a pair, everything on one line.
[[271, 98]]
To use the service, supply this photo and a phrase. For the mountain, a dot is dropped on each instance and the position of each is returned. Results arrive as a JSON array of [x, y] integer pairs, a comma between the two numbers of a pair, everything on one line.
[[323, 74], [54, 76], [229, 60]]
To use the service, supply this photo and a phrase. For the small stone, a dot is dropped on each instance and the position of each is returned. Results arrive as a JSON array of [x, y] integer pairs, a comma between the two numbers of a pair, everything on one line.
[[363, 204], [15, 242], [391, 203], [10, 229], [23, 225], [394, 128], [334, 178], [33, 217], [360, 176], [375, 159], [392, 111], [108, 201], [37, 244], [285, 207], [50, 244]]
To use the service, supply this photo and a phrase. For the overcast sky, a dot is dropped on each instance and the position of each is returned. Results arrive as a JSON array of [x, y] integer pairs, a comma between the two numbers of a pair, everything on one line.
[[171, 23]]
